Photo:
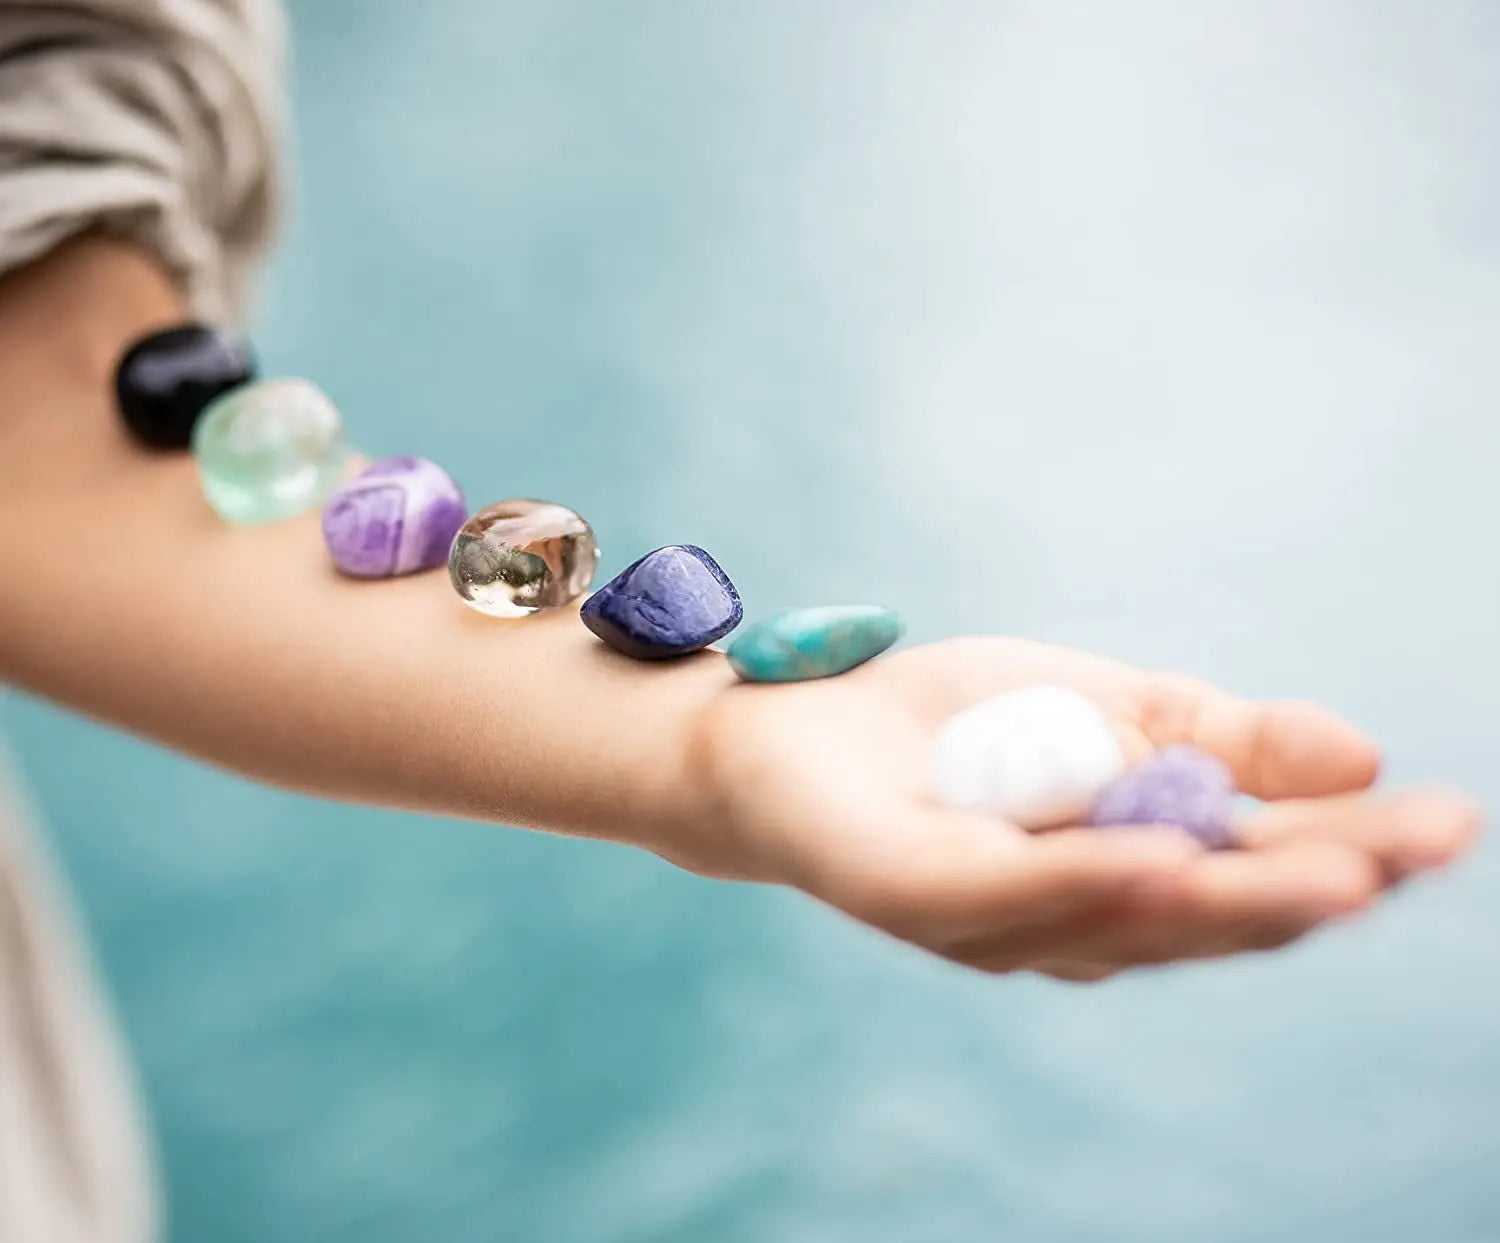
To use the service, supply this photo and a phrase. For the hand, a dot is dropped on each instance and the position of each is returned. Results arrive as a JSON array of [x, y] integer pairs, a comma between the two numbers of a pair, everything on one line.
[[824, 785]]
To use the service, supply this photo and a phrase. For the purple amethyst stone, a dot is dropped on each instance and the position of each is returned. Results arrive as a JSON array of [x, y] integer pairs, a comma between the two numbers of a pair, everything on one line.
[[396, 516], [1180, 786], [671, 602]]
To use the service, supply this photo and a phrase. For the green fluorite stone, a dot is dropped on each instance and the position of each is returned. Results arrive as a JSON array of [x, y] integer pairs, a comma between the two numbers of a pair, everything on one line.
[[270, 450], [813, 643]]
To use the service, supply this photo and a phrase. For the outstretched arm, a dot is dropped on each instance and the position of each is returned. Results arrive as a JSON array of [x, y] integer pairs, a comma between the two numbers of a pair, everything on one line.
[[123, 596]]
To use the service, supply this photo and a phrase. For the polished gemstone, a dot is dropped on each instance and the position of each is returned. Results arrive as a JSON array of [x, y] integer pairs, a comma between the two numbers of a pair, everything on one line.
[[517, 557], [802, 644], [165, 380], [396, 516], [671, 602], [270, 450], [1037, 756], [1179, 786]]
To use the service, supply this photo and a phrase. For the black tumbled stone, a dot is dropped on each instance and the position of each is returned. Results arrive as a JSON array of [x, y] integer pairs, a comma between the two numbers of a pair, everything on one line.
[[165, 380]]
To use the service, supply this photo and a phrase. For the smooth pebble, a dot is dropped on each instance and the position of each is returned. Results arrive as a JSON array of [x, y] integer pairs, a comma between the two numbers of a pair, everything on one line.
[[519, 557], [166, 380], [397, 516], [803, 644], [1038, 756], [1179, 786], [269, 450], [671, 602]]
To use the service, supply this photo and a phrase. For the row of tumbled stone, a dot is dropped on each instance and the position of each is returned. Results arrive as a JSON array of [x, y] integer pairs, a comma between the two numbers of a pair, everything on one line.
[[518, 557], [1038, 756], [270, 449]]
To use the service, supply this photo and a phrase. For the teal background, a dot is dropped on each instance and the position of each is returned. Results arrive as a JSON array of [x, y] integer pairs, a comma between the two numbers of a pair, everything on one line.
[[1165, 329]]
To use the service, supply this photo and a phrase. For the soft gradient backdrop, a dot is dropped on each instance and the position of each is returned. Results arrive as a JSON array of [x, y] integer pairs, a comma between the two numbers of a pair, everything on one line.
[[1166, 329]]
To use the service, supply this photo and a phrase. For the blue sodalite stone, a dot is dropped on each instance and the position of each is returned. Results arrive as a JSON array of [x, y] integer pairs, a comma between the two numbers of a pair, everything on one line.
[[671, 602], [813, 643]]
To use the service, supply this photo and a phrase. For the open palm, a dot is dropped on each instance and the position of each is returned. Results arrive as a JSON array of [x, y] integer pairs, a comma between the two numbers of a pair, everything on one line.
[[825, 786]]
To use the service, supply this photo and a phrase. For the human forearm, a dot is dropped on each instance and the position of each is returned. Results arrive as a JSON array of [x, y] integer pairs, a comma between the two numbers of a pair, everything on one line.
[[124, 596]]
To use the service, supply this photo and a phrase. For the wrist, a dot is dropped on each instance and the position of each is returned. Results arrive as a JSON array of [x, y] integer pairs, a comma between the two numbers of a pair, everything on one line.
[[637, 747]]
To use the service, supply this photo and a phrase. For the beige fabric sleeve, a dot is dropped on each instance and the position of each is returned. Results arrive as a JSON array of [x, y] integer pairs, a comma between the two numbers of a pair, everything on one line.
[[153, 119]]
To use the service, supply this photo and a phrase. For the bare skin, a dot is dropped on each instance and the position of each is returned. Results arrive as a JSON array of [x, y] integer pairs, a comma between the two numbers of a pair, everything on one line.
[[122, 596]]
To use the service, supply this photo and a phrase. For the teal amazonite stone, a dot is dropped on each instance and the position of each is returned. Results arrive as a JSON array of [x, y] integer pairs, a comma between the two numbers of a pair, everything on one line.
[[270, 450], [813, 643]]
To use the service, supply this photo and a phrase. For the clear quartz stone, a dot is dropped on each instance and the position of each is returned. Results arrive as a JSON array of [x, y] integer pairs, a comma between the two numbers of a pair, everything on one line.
[[518, 557], [270, 450]]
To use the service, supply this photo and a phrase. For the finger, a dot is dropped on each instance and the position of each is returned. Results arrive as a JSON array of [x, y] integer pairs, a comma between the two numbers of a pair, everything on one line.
[[970, 879], [1298, 881], [1275, 750], [1075, 972], [1098, 955], [1218, 904], [1162, 945], [1408, 831]]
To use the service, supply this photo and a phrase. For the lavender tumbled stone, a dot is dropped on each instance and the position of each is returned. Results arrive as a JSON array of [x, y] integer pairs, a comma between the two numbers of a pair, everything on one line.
[[671, 602], [395, 517], [1178, 786]]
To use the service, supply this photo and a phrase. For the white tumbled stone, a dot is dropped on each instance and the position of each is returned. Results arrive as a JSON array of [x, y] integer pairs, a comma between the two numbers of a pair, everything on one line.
[[1037, 756]]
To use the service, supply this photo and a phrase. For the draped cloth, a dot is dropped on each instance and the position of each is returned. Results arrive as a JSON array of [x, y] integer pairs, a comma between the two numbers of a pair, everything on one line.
[[153, 119], [157, 121], [75, 1162]]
